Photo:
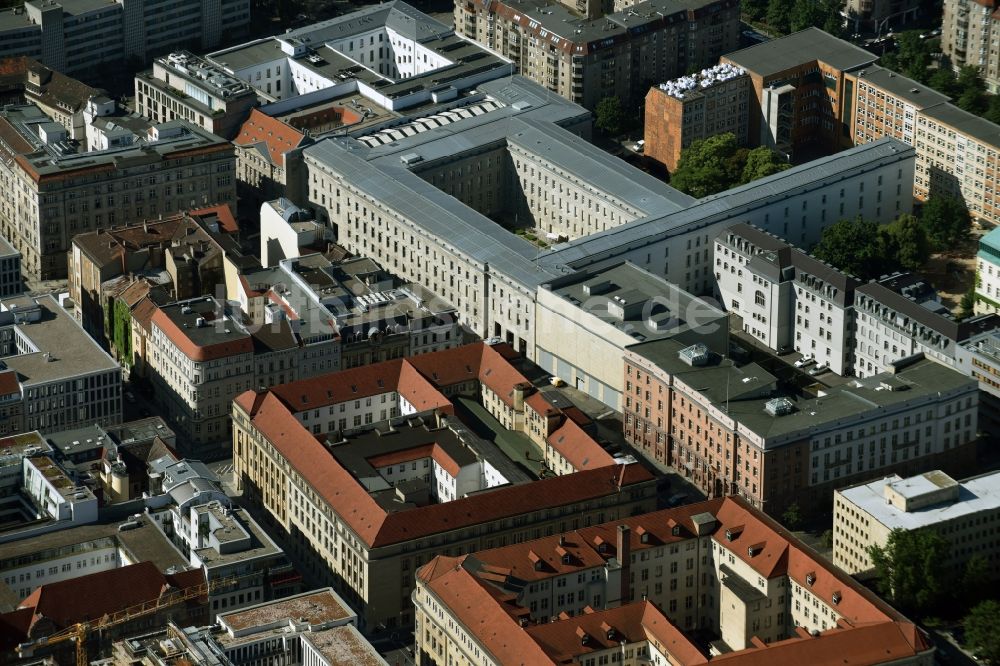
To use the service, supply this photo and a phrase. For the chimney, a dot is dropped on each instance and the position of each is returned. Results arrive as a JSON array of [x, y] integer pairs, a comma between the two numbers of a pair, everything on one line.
[[625, 559]]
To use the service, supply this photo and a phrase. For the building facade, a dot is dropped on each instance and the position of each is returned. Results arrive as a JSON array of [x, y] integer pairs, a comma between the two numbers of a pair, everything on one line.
[[50, 193], [11, 279], [620, 54], [75, 35], [695, 107], [968, 29], [639, 590], [186, 87], [865, 515], [729, 428], [407, 514]]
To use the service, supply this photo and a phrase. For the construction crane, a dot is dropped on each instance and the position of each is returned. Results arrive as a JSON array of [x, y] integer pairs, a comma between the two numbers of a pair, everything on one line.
[[78, 632]]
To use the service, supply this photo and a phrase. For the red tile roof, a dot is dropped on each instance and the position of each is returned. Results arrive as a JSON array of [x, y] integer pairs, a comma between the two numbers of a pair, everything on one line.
[[541, 406], [276, 136], [143, 313], [578, 448], [201, 353], [92, 596], [434, 451], [8, 383], [562, 640], [224, 214], [375, 527]]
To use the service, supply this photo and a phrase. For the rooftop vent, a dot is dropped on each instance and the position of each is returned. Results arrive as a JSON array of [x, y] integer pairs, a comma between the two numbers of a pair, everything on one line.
[[779, 406], [695, 355]]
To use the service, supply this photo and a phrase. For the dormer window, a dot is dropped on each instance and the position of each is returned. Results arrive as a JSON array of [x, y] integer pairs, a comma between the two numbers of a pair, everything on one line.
[[810, 578], [675, 530], [836, 598]]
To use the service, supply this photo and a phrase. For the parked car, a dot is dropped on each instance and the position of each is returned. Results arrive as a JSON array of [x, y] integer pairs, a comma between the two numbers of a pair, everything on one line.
[[129, 397], [804, 361], [555, 381], [819, 369]]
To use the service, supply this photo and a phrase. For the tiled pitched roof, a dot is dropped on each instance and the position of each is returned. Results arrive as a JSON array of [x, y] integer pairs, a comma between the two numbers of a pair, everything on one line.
[[92, 596], [222, 213], [143, 312], [8, 383], [275, 135], [578, 448], [374, 526]]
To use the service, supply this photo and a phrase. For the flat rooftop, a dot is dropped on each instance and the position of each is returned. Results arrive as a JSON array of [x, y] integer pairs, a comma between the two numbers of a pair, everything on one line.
[[65, 350], [318, 608], [235, 524], [344, 645], [976, 495], [78, 440], [800, 47], [16, 447], [216, 328], [743, 391], [653, 308], [914, 92]]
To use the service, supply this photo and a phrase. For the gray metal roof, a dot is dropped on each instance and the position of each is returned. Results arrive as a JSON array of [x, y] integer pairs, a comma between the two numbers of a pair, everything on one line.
[[914, 92], [800, 47], [727, 205], [965, 122]]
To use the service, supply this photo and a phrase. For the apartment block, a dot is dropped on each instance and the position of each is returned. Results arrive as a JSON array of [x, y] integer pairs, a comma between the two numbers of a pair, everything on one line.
[[183, 86], [184, 246], [11, 279], [585, 321], [56, 376], [900, 315], [62, 190], [679, 112], [201, 358], [715, 581], [798, 302], [968, 29], [963, 512], [988, 274], [76, 35], [804, 99], [617, 52], [979, 357], [733, 429], [408, 478]]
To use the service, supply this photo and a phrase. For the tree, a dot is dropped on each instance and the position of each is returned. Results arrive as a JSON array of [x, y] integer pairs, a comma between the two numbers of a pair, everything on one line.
[[905, 241], [754, 9], [761, 162], [946, 220], [805, 14], [706, 166], [993, 109], [981, 634], [911, 569], [967, 306], [944, 82], [609, 116], [779, 15], [854, 246], [977, 569], [792, 517]]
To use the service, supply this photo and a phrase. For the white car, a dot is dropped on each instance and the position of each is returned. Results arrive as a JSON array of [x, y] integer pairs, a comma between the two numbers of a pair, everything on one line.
[[804, 361], [555, 381]]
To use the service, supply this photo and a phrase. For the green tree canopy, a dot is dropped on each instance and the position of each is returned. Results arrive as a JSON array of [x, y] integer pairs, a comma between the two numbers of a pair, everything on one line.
[[705, 167], [717, 163], [912, 570], [981, 631], [946, 220], [609, 116], [905, 241], [911, 58], [779, 13], [761, 162], [993, 109], [943, 80], [854, 246]]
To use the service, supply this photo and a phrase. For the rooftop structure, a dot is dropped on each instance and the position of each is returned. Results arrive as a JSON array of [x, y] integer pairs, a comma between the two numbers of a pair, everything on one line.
[[46, 351], [341, 54], [686, 86], [499, 601], [866, 514], [182, 85], [45, 160], [812, 44]]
